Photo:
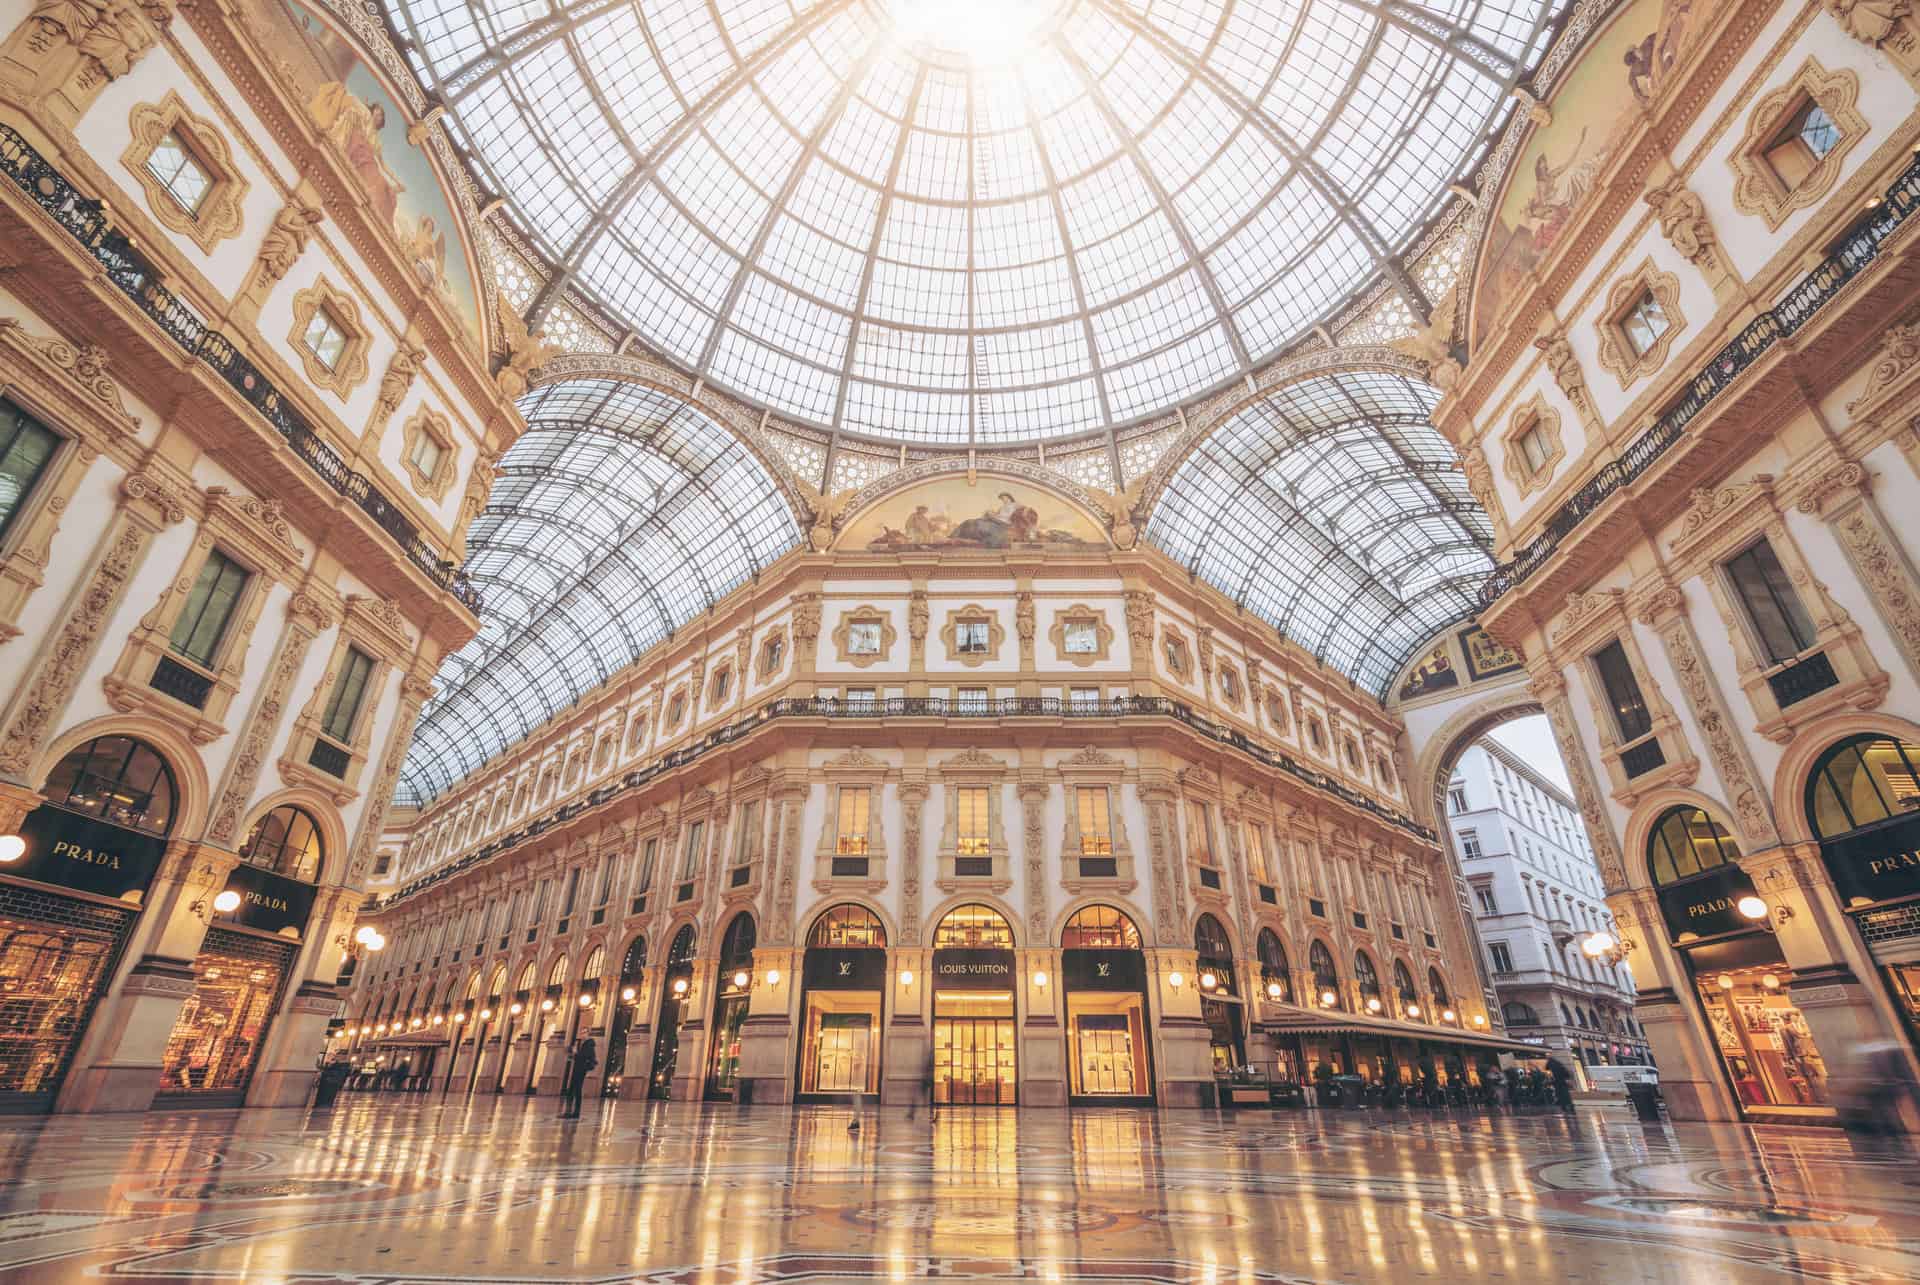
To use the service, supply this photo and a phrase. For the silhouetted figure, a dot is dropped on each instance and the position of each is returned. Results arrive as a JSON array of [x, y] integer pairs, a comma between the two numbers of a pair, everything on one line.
[[579, 1067], [1562, 1084]]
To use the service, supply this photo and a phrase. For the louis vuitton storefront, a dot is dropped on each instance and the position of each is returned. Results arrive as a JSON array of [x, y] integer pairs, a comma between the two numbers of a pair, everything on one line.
[[1103, 974], [843, 980]]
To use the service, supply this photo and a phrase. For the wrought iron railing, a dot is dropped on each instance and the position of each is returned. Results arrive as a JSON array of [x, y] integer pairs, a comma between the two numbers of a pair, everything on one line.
[[1857, 250], [86, 221], [928, 707]]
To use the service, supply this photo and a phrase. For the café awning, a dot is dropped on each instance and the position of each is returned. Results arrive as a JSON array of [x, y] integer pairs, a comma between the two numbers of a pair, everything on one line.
[[1303, 1022]]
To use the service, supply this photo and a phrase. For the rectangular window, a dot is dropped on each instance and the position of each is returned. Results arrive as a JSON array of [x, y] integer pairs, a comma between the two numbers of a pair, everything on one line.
[[1200, 832], [863, 638], [1622, 691], [180, 172], [1096, 829], [1082, 638], [1083, 700], [1457, 799], [325, 338], [1533, 450], [214, 598], [25, 447], [1502, 957], [690, 857], [746, 847], [1470, 844], [349, 691], [1771, 603], [970, 813], [649, 853], [852, 832], [972, 700], [1487, 905], [1644, 323], [971, 637], [1802, 143], [1257, 851], [572, 894], [540, 902], [860, 698], [426, 454], [605, 890]]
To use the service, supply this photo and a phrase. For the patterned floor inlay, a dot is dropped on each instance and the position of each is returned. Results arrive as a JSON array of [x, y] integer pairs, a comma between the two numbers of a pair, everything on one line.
[[398, 1190]]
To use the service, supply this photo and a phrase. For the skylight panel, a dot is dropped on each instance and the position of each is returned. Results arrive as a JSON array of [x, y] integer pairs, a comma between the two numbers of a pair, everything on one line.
[[1130, 260], [813, 264], [934, 166], [830, 200], [1139, 386], [908, 295], [1250, 40], [1014, 233], [916, 358], [1105, 201], [1006, 164], [910, 413], [1318, 68], [1018, 414], [445, 31], [692, 50], [932, 236], [863, 142], [1196, 129], [746, 362], [1077, 139], [1035, 354]]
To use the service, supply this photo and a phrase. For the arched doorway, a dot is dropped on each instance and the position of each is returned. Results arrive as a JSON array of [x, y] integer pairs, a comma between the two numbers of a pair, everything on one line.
[[516, 1017], [546, 1063], [843, 979], [1739, 975], [1104, 977], [1220, 1003], [678, 980], [974, 1060], [113, 795], [733, 985], [633, 971], [1406, 998], [1863, 805]]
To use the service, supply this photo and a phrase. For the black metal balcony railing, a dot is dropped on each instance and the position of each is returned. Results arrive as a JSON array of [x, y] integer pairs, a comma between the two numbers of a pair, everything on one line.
[[1857, 250], [85, 219], [1808, 676], [930, 707], [171, 678]]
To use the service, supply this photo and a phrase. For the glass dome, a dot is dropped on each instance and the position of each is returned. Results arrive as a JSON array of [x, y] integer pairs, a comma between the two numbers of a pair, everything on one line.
[[972, 220]]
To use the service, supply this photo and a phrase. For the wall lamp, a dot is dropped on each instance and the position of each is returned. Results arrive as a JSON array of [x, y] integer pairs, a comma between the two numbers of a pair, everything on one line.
[[1176, 979], [1604, 945], [1755, 908]]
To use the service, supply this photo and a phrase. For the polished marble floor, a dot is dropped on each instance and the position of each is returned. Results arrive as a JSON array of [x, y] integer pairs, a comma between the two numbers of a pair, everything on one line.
[[394, 1189]]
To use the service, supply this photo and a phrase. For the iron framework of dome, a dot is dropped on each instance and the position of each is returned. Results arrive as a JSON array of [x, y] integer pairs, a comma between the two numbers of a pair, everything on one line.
[[826, 211]]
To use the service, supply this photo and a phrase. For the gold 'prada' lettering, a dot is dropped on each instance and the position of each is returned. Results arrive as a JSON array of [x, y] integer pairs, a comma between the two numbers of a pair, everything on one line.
[[91, 856]]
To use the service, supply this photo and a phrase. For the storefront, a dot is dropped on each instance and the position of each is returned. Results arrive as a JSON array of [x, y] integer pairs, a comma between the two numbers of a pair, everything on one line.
[[843, 979], [1276, 983], [68, 903], [1863, 803], [974, 1059], [1104, 979], [733, 986], [633, 972], [1740, 978], [673, 1004], [1220, 1004], [240, 977], [517, 1008]]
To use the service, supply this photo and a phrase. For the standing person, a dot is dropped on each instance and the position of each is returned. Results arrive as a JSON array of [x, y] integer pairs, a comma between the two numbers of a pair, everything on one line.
[[579, 1066], [1562, 1084], [926, 1087]]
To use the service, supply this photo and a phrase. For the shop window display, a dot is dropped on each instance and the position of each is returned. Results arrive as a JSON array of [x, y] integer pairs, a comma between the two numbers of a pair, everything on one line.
[[237, 980]]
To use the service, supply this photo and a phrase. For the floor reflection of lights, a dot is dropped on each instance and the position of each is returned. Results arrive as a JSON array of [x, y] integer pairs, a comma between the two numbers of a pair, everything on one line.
[[400, 1189]]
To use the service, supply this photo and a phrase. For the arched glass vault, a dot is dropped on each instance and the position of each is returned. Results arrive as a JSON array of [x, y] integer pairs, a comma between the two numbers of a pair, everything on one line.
[[1333, 510], [834, 213], [620, 514]]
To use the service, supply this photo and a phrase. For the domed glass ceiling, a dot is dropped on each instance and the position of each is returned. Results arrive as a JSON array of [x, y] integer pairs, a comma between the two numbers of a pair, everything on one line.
[[987, 220]]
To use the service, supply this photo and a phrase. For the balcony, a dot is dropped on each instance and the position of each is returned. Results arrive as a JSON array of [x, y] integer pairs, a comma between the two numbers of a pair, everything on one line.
[[133, 275]]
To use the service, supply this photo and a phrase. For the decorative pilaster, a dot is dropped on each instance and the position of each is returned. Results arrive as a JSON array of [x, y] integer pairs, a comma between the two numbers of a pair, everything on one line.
[[792, 802], [1564, 365], [1169, 921], [913, 801], [1665, 612], [1033, 810], [1839, 496], [413, 694], [307, 618], [1551, 691]]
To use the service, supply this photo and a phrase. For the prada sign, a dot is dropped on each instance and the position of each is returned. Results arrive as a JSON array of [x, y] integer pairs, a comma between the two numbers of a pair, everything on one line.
[[1103, 970], [1708, 906], [82, 852], [1877, 865], [972, 970], [270, 903], [855, 968]]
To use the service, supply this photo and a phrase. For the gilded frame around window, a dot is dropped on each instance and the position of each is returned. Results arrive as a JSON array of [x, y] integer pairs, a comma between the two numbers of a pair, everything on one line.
[[426, 423], [1616, 354], [1081, 614], [1534, 413], [218, 216], [350, 371], [1757, 188]]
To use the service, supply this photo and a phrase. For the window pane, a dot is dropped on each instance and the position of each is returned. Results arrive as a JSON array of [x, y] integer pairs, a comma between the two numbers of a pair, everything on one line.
[[1623, 692], [185, 179], [343, 707], [325, 339], [1095, 838], [971, 811], [25, 447], [1771, 603], [210, 605]]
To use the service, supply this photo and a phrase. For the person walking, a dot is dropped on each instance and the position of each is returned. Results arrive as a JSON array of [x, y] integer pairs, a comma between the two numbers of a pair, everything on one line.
[[579, 1067], [1562, 1084]]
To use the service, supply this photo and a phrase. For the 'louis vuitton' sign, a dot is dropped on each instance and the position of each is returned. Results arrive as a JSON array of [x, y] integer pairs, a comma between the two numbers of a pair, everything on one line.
[[972, 969]]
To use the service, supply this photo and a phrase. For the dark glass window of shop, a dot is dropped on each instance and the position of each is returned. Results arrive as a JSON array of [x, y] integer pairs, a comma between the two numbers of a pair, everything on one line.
[[117, 779]]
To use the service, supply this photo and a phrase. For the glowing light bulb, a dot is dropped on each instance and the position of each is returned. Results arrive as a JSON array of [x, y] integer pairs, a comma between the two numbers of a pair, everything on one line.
[[1273, 990], [1752, 907], [546, 1006], [586, 1001], [1176, 979], [486, 1014], [627, 993], [1478, 1020], [1770, 981], [437, 1019], [1726, 982], [906, 977], [514, 1010], [365, 934], [773, 977], [679, 986], [1413, 1010], [740, 978], [1447, 1015], [1040, 978], [1208, 981], [12, 847], [1598, 945], [227, 902], [1373, 1006], [1328, 998]]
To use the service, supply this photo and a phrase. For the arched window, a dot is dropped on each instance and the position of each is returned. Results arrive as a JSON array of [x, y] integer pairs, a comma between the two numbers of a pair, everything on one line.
[[1210, 942], [1100, 928], [1566, 1017], [499, 980], [1403, 985], [557, 975], [1861, 780], [1437, 988], [473, 985], [1326, 977], [596, 964], [1686, 842], [1273, 965], [117, 779], [1518, 1014], [681, 951], [527, 975], [736, 948], [848, 925], [633, 965], [1364, 975], [973, 927], [287, 842]]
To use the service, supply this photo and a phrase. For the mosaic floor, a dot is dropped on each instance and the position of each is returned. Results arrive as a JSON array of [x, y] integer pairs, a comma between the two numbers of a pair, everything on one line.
[[391, 1190]]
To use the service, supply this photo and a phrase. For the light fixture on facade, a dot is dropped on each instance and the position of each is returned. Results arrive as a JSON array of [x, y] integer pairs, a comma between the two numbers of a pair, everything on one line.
[[459, 1018], [679, 986], [1040, 978], [546, 1006], [437, 1019], [1751, 907], [906, 977], [773, 977], [1448, 1015], [1413, 1010], [486, 1015], [12, 848], [1770, 980], [1373, 1004], [1479, 1019], [226, 901], [381, 1029], [1726, 981], [740, 978], [1328, 998], [1208, 981], [515, 1009], [1176, 979], [1273, 990], [629, 994], [586, 1001]]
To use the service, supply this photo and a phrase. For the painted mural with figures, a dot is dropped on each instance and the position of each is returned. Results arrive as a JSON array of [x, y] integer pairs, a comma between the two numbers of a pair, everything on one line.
[[1595, 110], [952, 513], [359, 118]]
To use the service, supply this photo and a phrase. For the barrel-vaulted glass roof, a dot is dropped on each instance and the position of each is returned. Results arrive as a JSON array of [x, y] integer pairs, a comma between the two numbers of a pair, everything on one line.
[[972, 220], [620, 514], [1336, 512]]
